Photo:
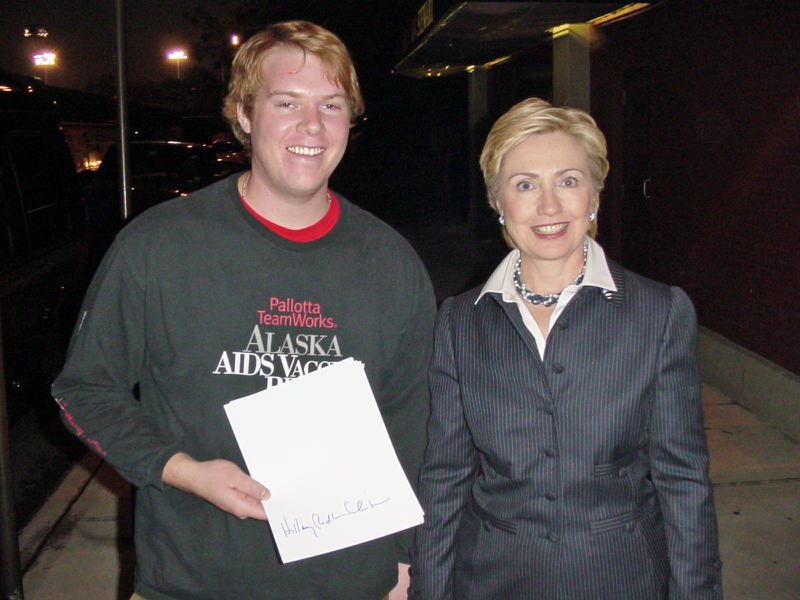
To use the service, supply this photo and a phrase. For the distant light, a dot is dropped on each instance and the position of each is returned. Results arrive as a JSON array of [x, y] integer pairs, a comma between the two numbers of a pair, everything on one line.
[[177, 56], [5, 88], [40, 32], [44, 60], [234, 40]]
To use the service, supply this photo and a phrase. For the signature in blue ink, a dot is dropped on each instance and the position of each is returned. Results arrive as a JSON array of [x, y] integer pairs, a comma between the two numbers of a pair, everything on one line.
[[320, 520], [295, 527]]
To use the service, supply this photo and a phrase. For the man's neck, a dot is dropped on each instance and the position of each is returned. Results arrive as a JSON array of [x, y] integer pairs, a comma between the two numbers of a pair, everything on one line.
[[291, 212]]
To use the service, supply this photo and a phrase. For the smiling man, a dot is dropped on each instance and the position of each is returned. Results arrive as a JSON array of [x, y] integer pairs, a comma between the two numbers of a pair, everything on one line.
[[246, 284]]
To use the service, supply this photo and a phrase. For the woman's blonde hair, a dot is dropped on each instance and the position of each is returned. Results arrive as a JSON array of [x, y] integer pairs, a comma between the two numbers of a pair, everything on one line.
[[535, 116], [308, 38]]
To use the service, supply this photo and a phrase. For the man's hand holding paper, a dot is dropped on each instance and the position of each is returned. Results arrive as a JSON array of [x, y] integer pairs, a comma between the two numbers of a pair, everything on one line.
[[220, 482], [320, 443]]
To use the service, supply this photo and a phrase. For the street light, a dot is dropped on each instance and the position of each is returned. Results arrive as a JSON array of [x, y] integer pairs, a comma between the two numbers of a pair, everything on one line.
[[177, 56], [35, 30], [44, 60]]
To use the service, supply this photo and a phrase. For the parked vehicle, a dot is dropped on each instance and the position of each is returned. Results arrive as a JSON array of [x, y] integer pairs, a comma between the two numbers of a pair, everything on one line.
[[231, 154], [159, 171], [44, 265]]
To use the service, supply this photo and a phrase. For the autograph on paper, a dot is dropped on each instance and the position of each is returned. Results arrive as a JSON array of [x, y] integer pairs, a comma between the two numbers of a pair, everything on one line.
[[317, 522]]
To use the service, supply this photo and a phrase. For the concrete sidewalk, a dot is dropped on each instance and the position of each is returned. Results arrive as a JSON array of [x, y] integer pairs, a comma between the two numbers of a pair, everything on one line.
[[80, 544]]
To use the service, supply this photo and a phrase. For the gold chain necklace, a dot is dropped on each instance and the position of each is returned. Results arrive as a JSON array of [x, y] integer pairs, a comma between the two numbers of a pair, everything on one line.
[[245, 181]]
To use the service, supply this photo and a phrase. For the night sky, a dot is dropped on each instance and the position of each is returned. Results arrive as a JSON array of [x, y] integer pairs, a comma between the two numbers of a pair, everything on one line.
[[81, 33]]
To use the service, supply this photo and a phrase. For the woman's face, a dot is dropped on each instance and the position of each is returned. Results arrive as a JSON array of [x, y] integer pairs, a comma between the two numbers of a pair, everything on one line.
[[545, 197]]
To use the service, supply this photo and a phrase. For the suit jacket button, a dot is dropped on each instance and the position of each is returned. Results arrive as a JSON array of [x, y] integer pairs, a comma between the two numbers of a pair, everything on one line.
[[622, 472], [552, 536], [486, 525], [628, 527], [550, 451], [548, 408], [550, 496]]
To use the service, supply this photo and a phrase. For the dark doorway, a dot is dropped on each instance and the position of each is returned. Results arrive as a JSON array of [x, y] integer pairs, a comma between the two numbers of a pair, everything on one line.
[[639, 187]]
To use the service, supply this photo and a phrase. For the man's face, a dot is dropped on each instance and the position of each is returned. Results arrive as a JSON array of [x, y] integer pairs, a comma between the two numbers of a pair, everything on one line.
[[298, 127]]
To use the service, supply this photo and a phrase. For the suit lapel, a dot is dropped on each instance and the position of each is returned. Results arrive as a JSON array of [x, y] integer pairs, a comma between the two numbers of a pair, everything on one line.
[[512, 312], [615, 298], [617, 274]]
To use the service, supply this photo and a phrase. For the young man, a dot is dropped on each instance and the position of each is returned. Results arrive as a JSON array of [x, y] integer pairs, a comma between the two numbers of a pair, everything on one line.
[[246, 284]]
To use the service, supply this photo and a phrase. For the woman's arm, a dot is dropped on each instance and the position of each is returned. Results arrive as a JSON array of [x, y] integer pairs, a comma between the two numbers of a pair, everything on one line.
[[679, 460], [449, 466]]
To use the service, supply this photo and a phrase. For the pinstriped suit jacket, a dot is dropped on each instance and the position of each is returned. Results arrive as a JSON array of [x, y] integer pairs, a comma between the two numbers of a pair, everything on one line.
[[583, 476]]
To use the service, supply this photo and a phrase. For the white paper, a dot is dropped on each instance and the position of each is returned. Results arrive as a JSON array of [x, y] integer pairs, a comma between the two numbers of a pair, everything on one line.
[[319, 444]]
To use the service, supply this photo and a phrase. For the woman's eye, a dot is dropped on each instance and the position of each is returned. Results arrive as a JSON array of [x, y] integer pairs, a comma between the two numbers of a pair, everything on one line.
[[524, 186], [570, 182]]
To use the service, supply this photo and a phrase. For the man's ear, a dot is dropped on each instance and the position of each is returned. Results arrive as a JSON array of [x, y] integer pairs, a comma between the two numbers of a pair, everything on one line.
[[241, 116]]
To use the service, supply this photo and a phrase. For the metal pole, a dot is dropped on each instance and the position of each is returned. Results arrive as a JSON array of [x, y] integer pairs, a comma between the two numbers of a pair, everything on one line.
[[10, 572], [122, 114]]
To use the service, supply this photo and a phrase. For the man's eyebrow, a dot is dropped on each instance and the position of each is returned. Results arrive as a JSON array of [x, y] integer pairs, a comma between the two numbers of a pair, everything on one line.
[[298, 95], [283, 93]]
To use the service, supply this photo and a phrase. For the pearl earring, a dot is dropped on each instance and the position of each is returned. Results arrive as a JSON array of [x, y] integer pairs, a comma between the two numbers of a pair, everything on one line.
[[592, 216], [502, 220]]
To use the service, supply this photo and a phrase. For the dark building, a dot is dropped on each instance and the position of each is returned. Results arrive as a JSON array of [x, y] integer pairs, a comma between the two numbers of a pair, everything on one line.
[[700, 103]]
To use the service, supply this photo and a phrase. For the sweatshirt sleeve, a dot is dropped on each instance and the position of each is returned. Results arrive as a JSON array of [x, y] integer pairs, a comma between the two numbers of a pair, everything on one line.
[[96, 389], [405, 400]]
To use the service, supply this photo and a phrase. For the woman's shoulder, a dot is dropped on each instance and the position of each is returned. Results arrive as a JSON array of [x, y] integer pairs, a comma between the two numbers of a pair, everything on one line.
[[644, 292], [467, 306], [632, 281], [465, 300]]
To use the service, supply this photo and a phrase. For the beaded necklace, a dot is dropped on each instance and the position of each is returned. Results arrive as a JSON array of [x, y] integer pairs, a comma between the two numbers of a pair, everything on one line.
[[549, 299]]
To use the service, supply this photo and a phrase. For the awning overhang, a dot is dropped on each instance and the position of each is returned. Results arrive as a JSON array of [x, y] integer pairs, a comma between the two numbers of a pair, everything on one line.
[[454, 37]]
